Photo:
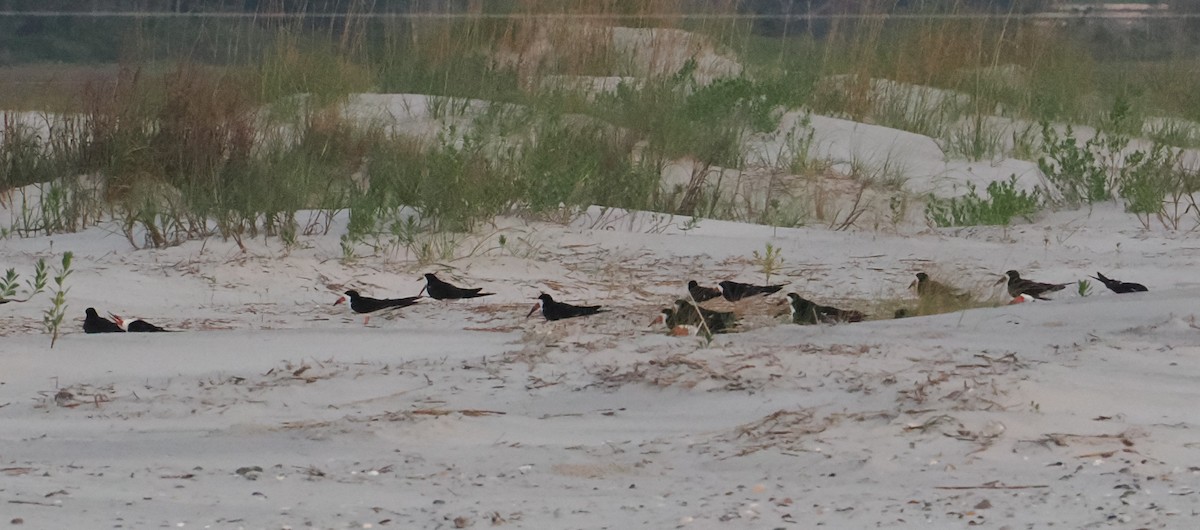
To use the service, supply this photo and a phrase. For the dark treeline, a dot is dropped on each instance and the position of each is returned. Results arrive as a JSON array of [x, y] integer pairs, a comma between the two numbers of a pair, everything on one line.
[[235, 6]]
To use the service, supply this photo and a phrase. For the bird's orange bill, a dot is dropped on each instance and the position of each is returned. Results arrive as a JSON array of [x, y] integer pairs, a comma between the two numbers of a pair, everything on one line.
[[340, 300], [116, 318], [534, 310], [1001, 280], [660, 319], [423, 290]]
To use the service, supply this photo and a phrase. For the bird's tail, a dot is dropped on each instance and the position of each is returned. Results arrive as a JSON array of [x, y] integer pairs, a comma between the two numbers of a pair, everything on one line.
[[401, 302]]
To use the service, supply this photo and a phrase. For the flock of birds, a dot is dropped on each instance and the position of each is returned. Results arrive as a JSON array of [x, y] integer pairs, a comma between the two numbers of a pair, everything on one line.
[[686, 316]]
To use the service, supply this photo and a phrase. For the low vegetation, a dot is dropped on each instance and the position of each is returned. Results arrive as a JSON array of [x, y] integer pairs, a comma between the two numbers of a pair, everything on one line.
[[247, 131], [1003, 203]]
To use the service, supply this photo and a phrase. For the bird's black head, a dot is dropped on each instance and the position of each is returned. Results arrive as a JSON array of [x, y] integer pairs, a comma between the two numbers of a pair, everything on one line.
[[91, 312], [1013, 275], [430, 277], [922, 277], [692, 284], [545, 297], [352, 294]]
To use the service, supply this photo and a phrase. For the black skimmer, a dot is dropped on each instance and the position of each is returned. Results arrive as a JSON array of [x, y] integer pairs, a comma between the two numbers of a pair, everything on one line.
[[1018, 286], [364, 305], [136, 325], [1120, 287], [440, 290], [666, 316], [700, 293], [734, 291], [557, 310], [809, 312], [674, 328], [94, 323], [689, 314], [929, 289]]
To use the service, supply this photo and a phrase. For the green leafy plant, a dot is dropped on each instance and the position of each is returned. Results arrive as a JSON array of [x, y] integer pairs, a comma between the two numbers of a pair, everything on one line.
[[9, 284], [1003, 202], [797, 153], [1084, 287], [1073, 169], [52, 318], [769, 261], [1154, 186]]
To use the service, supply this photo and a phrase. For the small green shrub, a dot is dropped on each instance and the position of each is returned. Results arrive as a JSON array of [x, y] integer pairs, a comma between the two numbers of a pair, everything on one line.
[[737, 98], [9, 284], [1084, 287], [1002, 204], [1074, 171], [1153, 185], [769, 261], [52, 317]]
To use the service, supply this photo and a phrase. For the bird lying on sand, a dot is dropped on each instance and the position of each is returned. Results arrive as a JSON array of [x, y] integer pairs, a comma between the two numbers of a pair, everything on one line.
[[689, 314], [1120, 287], [700, 293], [440, 290], [365, 305], [808, 312], [553, 310], [1018, 286], [94, 323], [734, 291], [136, 325]]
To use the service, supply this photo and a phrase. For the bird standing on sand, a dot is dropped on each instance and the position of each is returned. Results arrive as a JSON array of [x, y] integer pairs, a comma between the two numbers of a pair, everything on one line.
[[809, 312], [1120, 287], [94, 323], [701, 293], [553, 310], [364, 305], [734, 291], [440, 290], [1018, 286]]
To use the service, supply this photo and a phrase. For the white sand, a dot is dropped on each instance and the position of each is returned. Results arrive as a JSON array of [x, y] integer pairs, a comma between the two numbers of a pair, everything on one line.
[[1076, 413]]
